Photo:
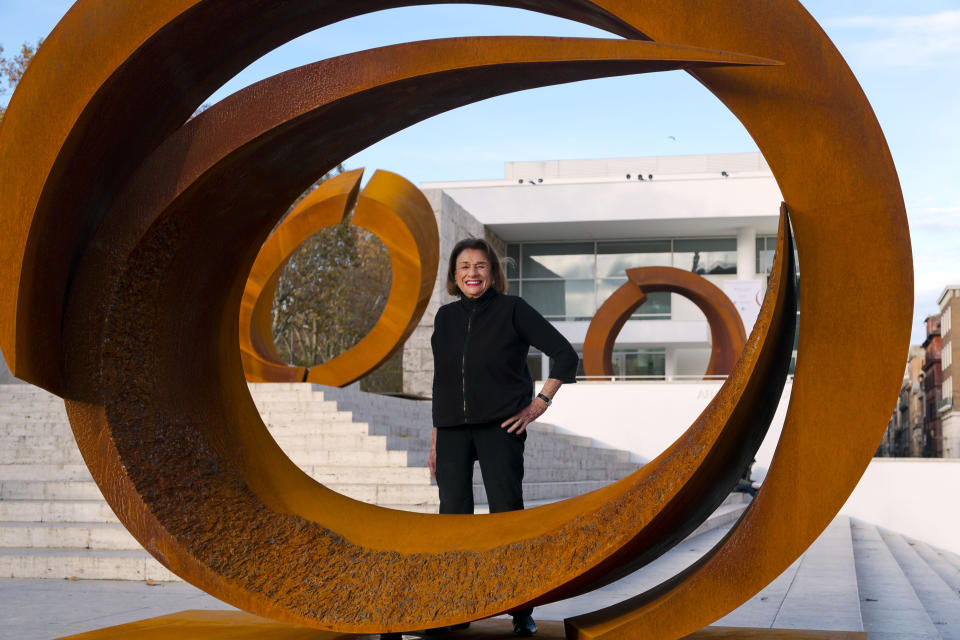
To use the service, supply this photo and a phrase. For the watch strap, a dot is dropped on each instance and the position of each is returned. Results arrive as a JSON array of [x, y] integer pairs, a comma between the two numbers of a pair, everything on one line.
[[545, 399]]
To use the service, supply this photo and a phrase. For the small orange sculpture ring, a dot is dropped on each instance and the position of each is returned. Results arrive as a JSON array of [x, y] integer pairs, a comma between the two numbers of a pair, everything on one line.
[[726, 327], [396, 212]]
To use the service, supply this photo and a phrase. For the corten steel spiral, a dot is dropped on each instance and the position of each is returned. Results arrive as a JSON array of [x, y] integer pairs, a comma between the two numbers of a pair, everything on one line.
[[399, 215], [128, 230], [726, 327]]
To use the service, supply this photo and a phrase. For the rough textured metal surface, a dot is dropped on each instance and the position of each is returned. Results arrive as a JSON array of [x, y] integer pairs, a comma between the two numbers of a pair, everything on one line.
[[396, 212], [726, 327], [128, 230]]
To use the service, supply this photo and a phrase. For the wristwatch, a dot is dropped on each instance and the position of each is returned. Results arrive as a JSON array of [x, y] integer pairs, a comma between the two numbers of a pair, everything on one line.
[[545, 399]]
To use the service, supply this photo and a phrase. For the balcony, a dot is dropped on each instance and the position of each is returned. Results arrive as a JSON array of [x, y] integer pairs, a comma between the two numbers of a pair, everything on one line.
[[945, 405]]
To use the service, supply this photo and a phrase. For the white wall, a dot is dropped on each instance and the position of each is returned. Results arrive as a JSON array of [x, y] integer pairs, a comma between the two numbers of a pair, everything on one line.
[[913, 496], [454, 223], [646, 332], [950, 423], [644, 417], [717, 203]]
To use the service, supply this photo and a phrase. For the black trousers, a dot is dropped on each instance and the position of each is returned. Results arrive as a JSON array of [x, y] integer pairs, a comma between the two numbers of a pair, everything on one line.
[[501, 464]]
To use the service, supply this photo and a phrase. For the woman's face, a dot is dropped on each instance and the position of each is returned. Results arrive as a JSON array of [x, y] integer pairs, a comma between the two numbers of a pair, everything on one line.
[[473, 272]]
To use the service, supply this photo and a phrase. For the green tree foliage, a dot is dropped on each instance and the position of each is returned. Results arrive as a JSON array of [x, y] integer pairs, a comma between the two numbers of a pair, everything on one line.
[[12, 70], [329, 295]]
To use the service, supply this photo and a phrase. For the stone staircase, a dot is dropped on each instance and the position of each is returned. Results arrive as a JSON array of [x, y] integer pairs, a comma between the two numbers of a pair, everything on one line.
[[555, 465], [855, 577], [859, 577], [54, 522]]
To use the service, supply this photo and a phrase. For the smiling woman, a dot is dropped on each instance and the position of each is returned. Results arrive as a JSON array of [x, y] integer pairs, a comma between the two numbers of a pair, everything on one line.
[[482, 388]]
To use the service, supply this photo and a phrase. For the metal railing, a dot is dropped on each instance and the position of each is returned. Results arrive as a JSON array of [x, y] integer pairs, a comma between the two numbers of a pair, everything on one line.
[[648, 378], [945, 405], [656, 378]]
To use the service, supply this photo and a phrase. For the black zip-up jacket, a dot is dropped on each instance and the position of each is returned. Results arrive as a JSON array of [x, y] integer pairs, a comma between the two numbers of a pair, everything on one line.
[[480, 347]]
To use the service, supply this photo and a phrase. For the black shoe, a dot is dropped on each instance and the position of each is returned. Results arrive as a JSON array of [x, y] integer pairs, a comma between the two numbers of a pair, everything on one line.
[[524, 626], [391, 636]]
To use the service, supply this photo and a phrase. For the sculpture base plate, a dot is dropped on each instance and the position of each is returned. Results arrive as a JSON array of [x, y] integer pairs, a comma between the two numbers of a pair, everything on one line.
[[236, 625]]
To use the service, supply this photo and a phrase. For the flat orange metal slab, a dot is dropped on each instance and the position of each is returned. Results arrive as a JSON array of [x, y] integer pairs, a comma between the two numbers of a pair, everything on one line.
[[196, 624], [236, 625]]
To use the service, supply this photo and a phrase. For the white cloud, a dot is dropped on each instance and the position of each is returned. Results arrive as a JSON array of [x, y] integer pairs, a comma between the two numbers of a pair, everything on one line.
[[936, 219], [927, 41], [935, 238]]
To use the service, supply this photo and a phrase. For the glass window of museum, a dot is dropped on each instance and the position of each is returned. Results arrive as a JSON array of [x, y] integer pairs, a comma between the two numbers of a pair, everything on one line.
[[568, 281]]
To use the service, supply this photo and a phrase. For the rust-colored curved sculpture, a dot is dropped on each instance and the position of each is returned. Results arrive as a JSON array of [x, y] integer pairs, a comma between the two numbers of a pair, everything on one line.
[[395, 211], [726, 327], [128, 229]]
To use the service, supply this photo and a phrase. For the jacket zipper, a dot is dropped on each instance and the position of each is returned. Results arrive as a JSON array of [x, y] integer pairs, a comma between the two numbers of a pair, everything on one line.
[[463, 363]]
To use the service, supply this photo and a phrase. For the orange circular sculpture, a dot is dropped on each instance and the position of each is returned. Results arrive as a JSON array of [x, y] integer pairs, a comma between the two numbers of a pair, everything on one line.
[[128, 229], [397, 213], [726, 327]]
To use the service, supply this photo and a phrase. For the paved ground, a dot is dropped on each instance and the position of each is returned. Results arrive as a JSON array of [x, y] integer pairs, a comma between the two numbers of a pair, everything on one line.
[[47, 609]]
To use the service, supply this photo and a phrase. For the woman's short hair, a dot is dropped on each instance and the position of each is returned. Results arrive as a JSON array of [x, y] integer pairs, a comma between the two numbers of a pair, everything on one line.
[[498, 280]]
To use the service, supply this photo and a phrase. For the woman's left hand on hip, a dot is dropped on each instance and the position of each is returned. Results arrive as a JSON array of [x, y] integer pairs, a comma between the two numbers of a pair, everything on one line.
[[518, 422]]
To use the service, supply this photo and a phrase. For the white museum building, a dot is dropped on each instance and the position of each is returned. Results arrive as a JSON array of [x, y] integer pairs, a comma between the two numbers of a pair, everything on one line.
[[570, 228]]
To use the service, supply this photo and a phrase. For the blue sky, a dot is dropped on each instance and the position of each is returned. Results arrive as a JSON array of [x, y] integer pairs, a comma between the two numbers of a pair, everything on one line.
[[906, 56]]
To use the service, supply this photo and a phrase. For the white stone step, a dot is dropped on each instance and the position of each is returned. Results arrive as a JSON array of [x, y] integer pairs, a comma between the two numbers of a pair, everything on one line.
[[91, 564], [939, 561], [824, 591], [56, 511], [891, 608], [383, 481], [37, 441], [266, 389], [950, 557], [760, 611], [67, 535], [312, 429], [43, 472], [401, 494], [420, 437], [548, 490], [292, 395], [349, 458], [548, 473], [306, 416], [49, 490], [319, 407], [14, 429], [380, 475], [33, 398], [16, 403], [938, 598], [26, 454], [31, 415], [410, 494], [330, 442]]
